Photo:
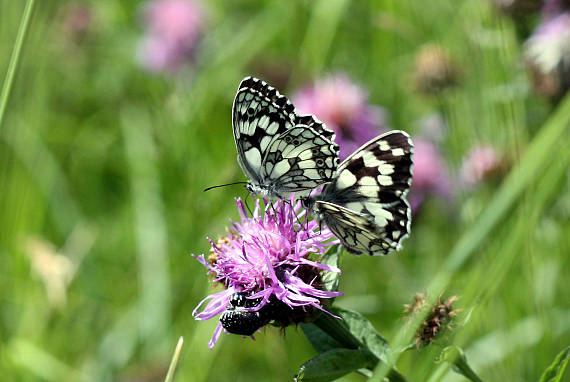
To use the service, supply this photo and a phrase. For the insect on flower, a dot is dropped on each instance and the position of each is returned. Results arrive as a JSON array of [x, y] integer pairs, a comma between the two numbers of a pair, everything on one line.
[[279, 150], [365, 205], [268, 264]]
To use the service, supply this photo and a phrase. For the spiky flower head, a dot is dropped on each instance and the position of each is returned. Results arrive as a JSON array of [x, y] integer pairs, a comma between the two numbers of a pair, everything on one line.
[[438, 318], [343, 105], [270, 258], [435, 71]]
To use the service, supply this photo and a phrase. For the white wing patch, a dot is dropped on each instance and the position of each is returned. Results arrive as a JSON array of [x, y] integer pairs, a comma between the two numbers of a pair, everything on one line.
[[346, 179], [253, 157], [365, 205]]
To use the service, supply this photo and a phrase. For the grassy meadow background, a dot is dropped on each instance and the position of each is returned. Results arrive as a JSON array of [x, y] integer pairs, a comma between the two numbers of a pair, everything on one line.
[[103, 163]]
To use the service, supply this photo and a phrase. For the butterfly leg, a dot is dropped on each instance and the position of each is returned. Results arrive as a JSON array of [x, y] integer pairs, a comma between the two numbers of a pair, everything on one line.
[[247, 205]]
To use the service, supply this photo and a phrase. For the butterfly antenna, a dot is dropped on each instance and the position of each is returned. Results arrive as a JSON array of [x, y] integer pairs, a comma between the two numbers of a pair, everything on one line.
[[223, 185]]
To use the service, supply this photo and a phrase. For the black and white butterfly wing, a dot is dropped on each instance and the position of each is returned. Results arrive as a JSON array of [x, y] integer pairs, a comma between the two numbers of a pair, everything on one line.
[[356, 232], [365, 205], [281, 152], [259, 114], [299, 160]]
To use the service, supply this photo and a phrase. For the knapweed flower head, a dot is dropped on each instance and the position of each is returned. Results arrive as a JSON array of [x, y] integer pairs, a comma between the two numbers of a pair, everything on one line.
[[438, 318], [343, 106], [434, 70], [481, 163], [173, 29], [270, 257], [430, 173], [547, 55]]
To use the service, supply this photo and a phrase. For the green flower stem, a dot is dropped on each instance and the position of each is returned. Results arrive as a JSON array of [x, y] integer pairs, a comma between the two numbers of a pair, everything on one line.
[[337, 330], [15, 58], [334, 328]]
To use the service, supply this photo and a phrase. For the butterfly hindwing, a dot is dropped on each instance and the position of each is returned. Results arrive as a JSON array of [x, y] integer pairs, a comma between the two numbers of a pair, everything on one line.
[[365, 204], [266, 127]]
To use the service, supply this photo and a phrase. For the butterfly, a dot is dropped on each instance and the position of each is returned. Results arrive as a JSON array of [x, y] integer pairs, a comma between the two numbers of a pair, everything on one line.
[[365, 204], [280, 151]]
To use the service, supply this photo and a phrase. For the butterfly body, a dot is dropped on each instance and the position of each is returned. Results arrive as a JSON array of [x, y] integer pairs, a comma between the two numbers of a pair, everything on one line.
[[365, 204], [279, 150]]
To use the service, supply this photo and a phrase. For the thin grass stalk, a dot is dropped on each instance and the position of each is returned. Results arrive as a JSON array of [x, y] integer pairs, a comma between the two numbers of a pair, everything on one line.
[[174, 361], [15, 58]]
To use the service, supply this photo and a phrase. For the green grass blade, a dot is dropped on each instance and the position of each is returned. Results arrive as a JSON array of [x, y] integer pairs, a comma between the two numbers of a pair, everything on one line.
[[555, 371], [15, 57], [174, 361]]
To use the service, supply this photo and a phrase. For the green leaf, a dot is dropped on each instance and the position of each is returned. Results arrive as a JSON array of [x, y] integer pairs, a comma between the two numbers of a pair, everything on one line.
[[555, 371], [335, 363], [363, 330], [320, 340]]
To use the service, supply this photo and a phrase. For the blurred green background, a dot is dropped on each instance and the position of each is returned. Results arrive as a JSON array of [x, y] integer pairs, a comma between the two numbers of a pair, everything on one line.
[[103, 163]]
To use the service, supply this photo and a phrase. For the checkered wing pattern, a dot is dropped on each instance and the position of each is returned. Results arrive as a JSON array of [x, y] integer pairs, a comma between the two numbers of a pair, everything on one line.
[[365, 205], [280, 151]]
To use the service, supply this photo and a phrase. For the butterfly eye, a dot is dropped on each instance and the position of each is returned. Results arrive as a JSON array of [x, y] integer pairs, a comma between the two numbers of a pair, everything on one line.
[[250, 111], [296, 142], [315, 151], [322, 173], [320, 162], [288, 139]]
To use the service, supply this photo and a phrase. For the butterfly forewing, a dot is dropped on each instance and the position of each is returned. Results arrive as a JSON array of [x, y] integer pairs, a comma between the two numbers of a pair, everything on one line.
[[260, 114], [318, 126], [281, 152], [365, 203]]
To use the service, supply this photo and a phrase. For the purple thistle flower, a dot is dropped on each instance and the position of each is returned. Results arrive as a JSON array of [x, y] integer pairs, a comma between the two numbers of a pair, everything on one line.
[[270, 257], [430, 174], [482, 162], [174, 28], [343, 106]]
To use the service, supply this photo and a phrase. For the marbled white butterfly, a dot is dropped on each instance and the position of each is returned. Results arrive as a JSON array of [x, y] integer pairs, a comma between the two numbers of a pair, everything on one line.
[[280, 151], [365, 205]]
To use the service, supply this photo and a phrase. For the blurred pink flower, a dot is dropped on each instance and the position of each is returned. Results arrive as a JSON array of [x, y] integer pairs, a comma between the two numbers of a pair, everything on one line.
[[552, 8], [343, 107], [174, 27], [77, 20], [430, 174], [547, 54], [483, 161]]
